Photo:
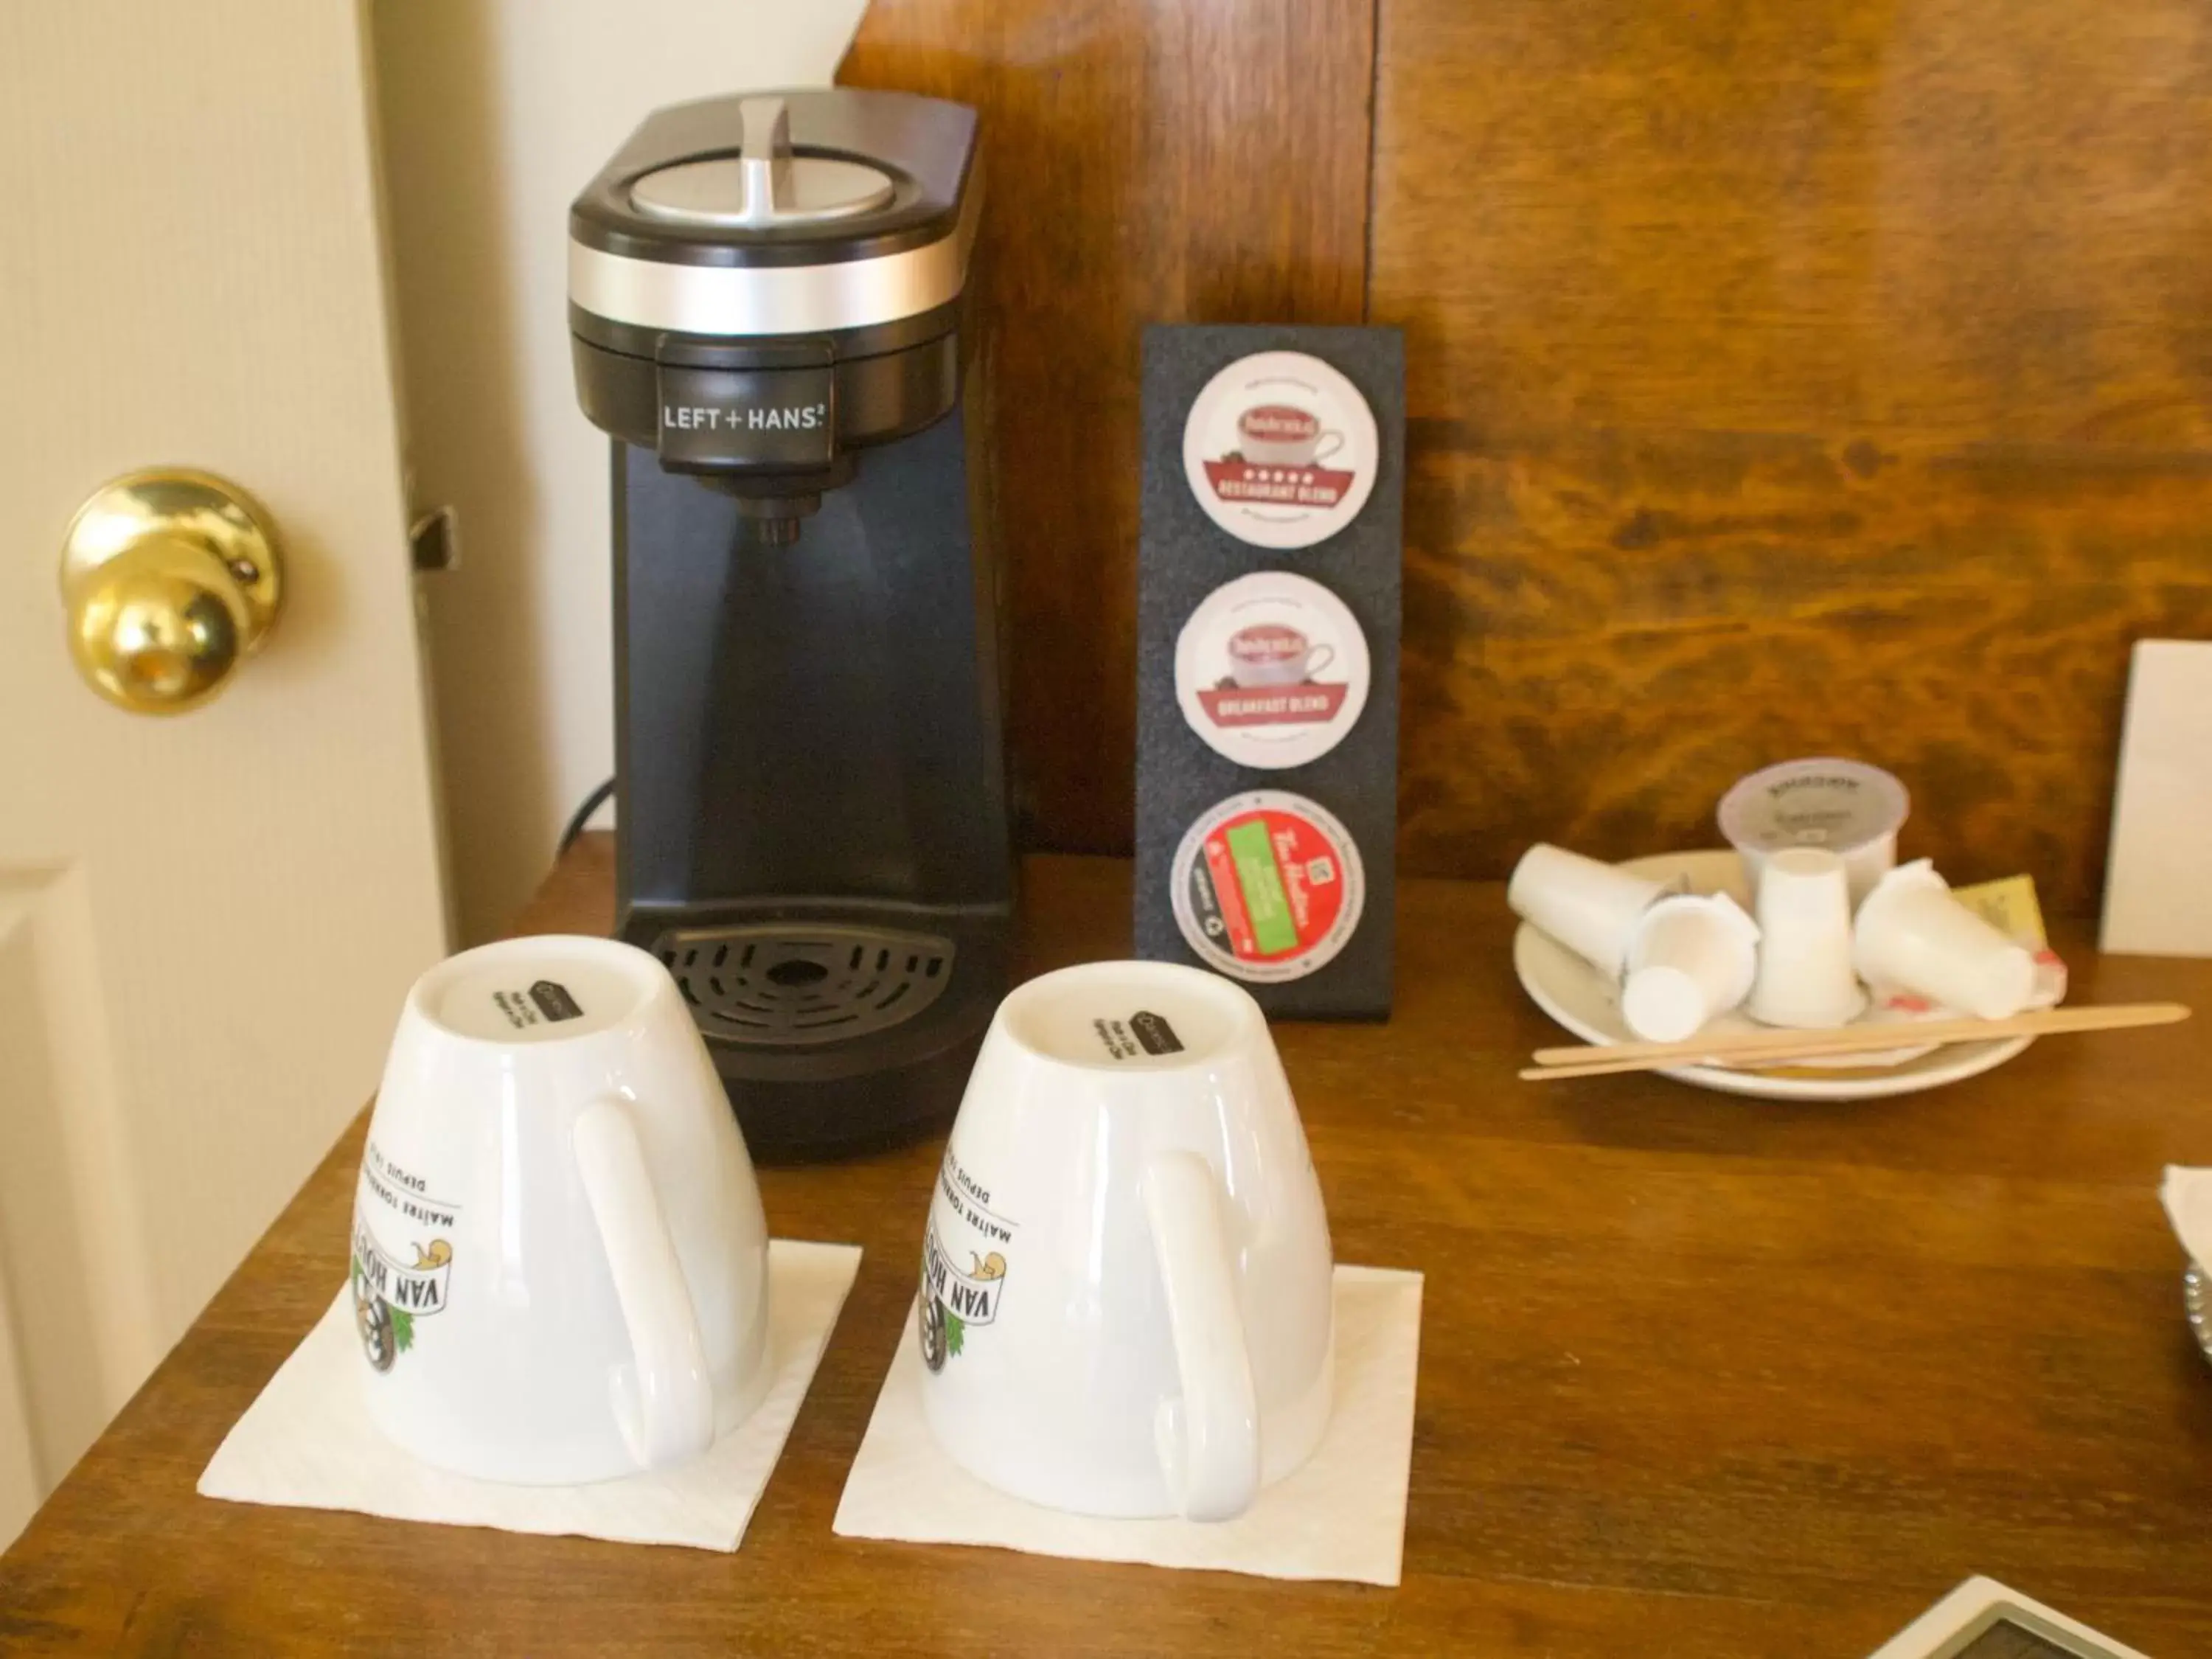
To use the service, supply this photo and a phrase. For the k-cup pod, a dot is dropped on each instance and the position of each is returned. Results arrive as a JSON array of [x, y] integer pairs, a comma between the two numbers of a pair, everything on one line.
[[1280, 450], [1590, 908], [1272, 670], [1691, 959], [1913, 935], [1845, 806], [1268, 886], [1805, 973]]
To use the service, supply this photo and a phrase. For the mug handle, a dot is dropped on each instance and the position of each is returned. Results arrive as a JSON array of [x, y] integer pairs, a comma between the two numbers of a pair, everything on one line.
[[667, 1415], [1319, 658], [1321, 454], [1208, 1441]]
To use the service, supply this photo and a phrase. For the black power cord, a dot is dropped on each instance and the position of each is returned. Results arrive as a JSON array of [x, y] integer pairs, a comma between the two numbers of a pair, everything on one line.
[[592, 802]]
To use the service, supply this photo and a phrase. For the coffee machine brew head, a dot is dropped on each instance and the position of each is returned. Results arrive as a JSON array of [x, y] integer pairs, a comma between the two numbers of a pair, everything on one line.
[[761, 285]]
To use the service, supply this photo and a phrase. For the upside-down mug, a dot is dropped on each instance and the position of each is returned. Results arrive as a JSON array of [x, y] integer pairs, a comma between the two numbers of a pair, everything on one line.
[[560, 1266], [1126, 1300]]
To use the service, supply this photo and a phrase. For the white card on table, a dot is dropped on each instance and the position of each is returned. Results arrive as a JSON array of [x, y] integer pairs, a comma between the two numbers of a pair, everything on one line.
[[2158, 886]]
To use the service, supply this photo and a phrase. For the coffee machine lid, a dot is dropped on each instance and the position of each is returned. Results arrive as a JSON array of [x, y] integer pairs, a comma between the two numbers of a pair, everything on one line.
[[816, 211], [766, 184]]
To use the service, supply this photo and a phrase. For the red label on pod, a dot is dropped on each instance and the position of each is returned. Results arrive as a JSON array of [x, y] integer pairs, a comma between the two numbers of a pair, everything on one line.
[[1268, 886], [1279, 421]]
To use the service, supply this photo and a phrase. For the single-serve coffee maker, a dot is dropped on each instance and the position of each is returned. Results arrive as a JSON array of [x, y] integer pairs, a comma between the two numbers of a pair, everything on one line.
[[769, 301]]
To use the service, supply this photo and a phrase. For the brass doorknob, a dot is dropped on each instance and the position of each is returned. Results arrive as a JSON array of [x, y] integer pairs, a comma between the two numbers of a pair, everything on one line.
[[169, 577]]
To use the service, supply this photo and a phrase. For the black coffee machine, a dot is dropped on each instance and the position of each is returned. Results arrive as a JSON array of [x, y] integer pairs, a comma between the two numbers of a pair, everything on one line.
[[768, 296]]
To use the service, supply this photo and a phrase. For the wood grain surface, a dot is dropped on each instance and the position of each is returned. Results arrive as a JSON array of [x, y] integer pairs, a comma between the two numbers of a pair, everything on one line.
[[1828, 378], [1699, 1376], [1143, 163]]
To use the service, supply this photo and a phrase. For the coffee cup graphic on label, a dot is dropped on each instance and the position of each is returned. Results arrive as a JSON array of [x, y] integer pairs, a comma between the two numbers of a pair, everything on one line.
[[1283, 434], [1269, 653]]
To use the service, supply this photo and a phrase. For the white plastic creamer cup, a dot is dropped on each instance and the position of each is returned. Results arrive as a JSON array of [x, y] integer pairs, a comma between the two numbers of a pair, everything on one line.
[[1590, 908], [1912, 934], [1852, 809], [1805, 970], [1691, 959]]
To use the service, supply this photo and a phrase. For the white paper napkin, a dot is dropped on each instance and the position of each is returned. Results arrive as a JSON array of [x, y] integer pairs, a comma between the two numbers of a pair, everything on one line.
[[2187, 1196], [307, 1442], [1341, 1515]]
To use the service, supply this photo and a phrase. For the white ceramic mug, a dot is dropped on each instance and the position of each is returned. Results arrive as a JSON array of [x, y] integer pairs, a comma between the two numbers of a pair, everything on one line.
[[560, 1266], [1126, 1303]]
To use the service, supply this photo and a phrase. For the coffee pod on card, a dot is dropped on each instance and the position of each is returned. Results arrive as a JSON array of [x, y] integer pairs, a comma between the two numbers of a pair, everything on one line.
[[1805, 973], [1915, 936], [1692, 958], [1272, 670], [1280, 450], [1590, 908], [1846, 806], [1268, 886]]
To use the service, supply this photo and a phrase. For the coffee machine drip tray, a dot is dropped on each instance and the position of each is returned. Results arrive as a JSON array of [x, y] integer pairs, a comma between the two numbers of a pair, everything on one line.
[[838, 1026], [784, 984]]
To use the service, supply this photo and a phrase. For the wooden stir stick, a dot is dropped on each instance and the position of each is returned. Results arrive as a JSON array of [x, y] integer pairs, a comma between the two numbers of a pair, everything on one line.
[[1781, 1047]]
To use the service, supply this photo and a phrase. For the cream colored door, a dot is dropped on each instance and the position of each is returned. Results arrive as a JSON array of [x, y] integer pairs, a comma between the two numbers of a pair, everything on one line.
[[207, 919]]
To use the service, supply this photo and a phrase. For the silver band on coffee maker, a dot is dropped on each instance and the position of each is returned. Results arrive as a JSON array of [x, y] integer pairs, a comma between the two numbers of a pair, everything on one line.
[[755, 299]]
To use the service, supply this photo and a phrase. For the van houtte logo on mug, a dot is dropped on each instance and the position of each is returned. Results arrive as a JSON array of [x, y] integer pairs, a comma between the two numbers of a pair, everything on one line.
[[1280, 450], [962, 1284], [393, 1287]]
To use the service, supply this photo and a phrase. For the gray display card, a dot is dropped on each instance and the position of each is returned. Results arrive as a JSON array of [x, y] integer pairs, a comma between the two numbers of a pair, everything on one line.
[[1284, 691]]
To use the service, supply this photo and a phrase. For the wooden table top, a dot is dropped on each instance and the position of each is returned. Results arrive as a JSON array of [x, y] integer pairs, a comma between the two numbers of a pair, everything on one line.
[[1699, 1376]]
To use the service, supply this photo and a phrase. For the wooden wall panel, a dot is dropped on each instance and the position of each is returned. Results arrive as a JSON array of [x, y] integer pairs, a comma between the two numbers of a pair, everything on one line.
[[1145, 162], [1828, 376]]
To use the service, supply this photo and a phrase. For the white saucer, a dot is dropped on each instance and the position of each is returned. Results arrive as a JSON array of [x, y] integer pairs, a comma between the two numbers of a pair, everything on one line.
[[1581, 999]]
